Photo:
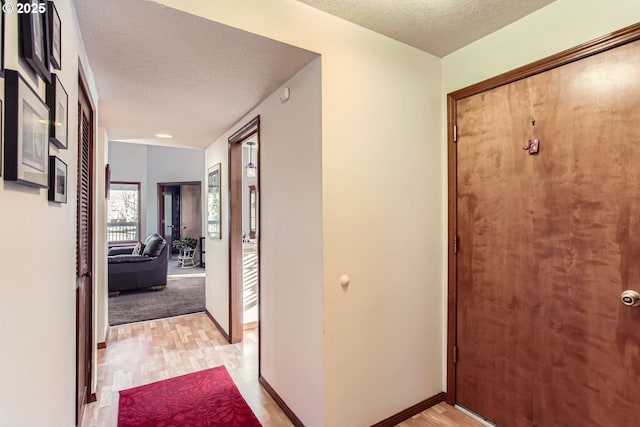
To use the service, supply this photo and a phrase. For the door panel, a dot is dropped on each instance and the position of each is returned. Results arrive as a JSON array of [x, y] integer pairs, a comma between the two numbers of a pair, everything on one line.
[[587, 244], [84, 256], [167, 219], [170, 214], [548, 243], [495, 259], [190, 210]]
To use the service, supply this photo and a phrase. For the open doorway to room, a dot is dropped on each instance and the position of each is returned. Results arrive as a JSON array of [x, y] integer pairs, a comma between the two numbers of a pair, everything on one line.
[[180, 224], [244, 236], [250, 232], [154, 275]]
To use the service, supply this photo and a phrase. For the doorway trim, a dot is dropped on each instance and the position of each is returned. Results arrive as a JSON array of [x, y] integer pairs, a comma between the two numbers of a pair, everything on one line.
[[160, 190], [598, 45], [236, 327]]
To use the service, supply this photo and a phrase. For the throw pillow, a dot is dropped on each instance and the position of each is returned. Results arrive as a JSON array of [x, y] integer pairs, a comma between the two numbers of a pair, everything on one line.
[[154, 246], [138, 249]]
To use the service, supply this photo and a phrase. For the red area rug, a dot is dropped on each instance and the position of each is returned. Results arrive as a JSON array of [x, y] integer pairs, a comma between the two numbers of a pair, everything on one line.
[[203, 398]]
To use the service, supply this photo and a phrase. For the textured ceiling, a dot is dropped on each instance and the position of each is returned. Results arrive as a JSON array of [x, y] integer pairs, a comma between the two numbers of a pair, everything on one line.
[[438, 27], [159, 70]]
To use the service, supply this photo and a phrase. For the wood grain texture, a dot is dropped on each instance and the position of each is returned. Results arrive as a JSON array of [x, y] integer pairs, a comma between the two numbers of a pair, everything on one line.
[[587, 241], [593, 47], [411, 411], [84, 250], [144, 352], [236, 171], [548, 243], [440, 415], [452, 265], [495, 264]]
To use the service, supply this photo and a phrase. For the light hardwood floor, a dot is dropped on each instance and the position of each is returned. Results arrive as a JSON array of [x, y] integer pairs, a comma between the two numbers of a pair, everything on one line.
[[144, 352]]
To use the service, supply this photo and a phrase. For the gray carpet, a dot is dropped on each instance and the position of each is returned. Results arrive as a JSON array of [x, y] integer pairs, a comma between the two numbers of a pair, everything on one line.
[[181, 296]]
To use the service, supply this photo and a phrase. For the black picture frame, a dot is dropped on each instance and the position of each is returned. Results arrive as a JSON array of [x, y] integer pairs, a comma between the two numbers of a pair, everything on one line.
[[55, 36], [1, 134], [107, 181], [26, 133], [58, 103], [57, 180], [214, 201], [2, 24], [33, 31]]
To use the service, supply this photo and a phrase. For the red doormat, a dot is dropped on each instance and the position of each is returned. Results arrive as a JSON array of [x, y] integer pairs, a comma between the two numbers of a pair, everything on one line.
[[203, 398]]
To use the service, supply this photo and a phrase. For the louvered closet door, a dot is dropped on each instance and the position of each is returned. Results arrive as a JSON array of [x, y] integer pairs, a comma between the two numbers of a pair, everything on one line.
[[84, 254], [547, 245]]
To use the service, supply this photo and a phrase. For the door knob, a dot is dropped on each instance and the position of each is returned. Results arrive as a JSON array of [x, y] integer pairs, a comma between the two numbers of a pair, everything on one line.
[[630, 298]]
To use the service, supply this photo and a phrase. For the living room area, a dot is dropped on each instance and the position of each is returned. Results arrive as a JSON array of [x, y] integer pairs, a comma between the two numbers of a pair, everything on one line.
[[156, 260], [158, 217]]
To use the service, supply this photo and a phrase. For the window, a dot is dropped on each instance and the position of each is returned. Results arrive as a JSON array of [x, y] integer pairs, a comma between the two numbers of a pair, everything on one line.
[[123, 216]]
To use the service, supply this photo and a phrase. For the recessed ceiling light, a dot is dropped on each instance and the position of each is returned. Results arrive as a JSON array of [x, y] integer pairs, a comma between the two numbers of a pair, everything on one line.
[[163, 135]]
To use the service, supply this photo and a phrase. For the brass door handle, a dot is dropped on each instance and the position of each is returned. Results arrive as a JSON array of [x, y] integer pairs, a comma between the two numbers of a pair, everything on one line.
[[630, 298]]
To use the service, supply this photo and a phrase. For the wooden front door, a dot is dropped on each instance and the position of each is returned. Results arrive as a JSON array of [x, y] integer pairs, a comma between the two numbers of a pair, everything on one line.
[[547, 243], [169, 214], [190, 210], [84, 256]]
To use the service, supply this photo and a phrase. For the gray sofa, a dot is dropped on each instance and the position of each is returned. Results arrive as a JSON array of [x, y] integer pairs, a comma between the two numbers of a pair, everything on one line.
[[128, 271]]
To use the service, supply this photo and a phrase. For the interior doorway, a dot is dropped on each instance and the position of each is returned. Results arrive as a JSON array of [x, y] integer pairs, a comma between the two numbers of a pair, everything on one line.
[[250, 214], [180, 213], [244, 226], [543, 241]]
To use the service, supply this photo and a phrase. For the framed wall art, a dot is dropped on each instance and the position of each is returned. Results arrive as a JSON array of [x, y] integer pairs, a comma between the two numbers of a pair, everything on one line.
[[2, 24], [214, 203], [26, 144], [57, 180], [58, 103], [55, 36], [33, 28], [107, 181], [1, 136]]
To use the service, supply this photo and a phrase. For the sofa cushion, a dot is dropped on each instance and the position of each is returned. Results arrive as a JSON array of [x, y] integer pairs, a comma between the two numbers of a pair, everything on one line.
[[153, 246], [121, 250], [120, 259]]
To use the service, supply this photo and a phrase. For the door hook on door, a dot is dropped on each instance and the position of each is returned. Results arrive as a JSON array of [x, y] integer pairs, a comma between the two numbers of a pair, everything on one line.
[[533, 146]]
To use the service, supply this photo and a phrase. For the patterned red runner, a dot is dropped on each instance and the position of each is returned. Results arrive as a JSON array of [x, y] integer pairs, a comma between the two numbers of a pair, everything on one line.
[[203, 398]]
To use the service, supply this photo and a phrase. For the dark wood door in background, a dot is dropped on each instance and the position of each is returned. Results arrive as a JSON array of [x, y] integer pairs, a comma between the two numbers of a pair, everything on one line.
[[547, 244], [190, 210], [169, 210]]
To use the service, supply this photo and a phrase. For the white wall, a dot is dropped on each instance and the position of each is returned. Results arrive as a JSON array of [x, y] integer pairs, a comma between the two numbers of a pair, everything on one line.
[[151, 165], [166, 164], [100, 250], [382, 193], [550, 30], [291, 242], [128, 163], [561, 25], [37, 266]]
